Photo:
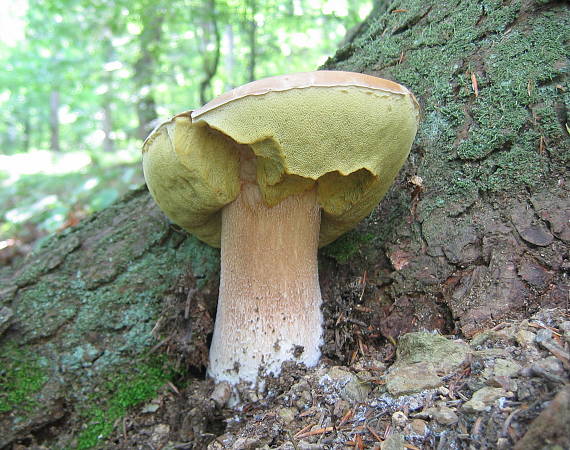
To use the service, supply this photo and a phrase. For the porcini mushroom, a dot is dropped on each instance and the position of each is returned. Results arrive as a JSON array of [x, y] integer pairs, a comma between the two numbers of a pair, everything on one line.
[[269, 172]]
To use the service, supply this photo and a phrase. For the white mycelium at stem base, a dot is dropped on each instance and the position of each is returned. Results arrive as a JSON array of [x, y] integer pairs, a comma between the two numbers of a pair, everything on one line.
[[269, 300]]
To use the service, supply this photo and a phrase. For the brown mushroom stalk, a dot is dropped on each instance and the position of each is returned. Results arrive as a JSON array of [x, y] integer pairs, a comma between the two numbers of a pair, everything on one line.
[[270, 172], [269, 300]]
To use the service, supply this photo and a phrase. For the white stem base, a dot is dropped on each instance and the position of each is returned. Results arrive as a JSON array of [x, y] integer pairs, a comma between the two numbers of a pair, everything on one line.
[[270, 299]]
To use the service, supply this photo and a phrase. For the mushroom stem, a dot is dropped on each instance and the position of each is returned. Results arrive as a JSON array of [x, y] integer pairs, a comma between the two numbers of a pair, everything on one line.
[[269, 300]]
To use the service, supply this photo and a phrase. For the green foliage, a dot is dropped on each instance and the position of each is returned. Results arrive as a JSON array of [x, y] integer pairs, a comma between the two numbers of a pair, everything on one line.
[[91, 78], [124, 391], [110, 61], [50, 201], [21, 376]]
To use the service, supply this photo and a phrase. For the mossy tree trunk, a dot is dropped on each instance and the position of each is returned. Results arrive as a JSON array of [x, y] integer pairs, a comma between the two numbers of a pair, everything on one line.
[[475, 230]]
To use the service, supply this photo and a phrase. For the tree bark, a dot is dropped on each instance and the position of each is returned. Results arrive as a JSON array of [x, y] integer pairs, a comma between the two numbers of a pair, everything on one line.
[[107, 98], [252, 39], [473, 232], [230, 60], [145, 67], [54, 104], [210, 58]]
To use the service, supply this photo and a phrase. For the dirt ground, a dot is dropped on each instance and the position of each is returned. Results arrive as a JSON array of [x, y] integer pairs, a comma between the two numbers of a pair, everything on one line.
[[507, 387]]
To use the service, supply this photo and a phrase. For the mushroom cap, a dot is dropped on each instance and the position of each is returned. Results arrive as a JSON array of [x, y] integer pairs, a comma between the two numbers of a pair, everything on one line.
[[345, 134]]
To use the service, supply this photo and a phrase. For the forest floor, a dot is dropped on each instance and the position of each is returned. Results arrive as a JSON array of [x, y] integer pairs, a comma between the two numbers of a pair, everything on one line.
[[42, 193], [507, 387]]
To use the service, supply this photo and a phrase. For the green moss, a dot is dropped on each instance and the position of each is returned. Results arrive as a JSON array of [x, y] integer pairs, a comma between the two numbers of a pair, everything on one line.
[[493, 139], [21, 377], [124, 391], [346, 246]]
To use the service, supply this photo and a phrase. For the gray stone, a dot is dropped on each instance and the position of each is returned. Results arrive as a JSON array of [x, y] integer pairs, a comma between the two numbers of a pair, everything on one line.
[[417, 428], [244, 443], [505, 368], [551, 426], [399, 419], [443, 353], [287, 415], [443, 415], [6, 316], [423, 359], [394, 442], [413, 378], [550, 364], [525, 338], [484, 398], [351, 388]]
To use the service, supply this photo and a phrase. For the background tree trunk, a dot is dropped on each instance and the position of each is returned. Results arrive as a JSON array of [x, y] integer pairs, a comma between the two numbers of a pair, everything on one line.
[[145, 67], [474, 231], [251, 25], [54, 104], [210, 36]]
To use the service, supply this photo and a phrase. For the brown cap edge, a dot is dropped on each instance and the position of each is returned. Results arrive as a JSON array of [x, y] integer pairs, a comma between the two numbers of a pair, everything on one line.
[[320, 78]]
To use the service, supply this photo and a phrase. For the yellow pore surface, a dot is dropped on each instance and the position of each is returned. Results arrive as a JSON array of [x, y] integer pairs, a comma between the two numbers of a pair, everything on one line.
[[347, 141]]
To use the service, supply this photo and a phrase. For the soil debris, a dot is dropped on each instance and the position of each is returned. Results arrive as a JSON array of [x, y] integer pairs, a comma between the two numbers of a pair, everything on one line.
[[506, 387]]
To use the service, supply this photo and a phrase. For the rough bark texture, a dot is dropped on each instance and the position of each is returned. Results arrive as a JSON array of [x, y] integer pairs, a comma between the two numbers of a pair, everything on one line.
[[483, 236], [486, 234]]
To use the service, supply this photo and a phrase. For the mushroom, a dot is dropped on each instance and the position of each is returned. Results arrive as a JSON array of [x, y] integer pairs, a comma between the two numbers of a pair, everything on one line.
[[269, 172]]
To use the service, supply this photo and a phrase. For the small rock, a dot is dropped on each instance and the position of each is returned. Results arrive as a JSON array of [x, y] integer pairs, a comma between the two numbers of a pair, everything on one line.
[[503, 368], [350, 386], [550, 364], [399, 419], [413, 378], [150, 408], [226, 440], [525, 338], [159, 432], [484, 398], [287, 414], [443, 415], [394, 442], [443, 353], [221, 394], [543, 335], [215, 445], [340, 408], [551, 426], [422, 360], [243, 443], [417, 428], [507, 383], [6, 316]]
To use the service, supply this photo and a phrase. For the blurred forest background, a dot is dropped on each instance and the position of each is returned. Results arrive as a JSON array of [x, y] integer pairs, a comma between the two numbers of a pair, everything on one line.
[[83, 82]]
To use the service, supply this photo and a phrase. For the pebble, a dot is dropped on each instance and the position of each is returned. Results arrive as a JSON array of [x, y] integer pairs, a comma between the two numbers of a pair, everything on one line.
[[525, 338], [288, 414], [350, 386], [550, 364], [393, 442], [484, 398], [221, 394], [399, 419], [443, 415], [417, 428]]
